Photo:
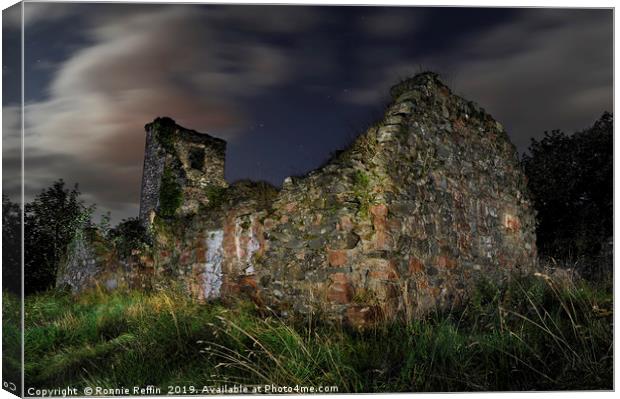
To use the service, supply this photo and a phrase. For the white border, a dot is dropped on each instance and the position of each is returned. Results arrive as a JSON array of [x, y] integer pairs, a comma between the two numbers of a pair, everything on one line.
[[462, 3]]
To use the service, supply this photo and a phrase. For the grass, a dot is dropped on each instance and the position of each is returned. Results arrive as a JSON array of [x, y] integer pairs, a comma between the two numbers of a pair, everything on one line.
[[532, 334]]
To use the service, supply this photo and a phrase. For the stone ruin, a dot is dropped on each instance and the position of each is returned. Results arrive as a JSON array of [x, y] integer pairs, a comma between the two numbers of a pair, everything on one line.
[[422, 205]]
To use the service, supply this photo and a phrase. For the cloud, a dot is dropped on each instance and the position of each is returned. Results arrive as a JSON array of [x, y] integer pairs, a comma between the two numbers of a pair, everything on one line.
[[391, 22], [547, 70], [175, 61], [35, 13], [11, 151], [543, 70], [203, 66]]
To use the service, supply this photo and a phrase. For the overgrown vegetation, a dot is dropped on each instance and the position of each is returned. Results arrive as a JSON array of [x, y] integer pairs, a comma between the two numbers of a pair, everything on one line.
[[50, 222], [163, 129], [11, 338], [216, 195], [571, 181], [362, 191], [54, 220], [11, 246], [170, 194], [129, 234], [531, 334]]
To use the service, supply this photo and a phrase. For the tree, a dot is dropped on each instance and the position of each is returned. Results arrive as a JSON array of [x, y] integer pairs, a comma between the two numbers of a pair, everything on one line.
[[50, 222], [571, 181], [11, 246]]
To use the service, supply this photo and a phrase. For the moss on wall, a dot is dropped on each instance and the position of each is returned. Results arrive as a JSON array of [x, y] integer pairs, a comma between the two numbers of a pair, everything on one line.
[[170, 194], [164, 129], [361, 190], [216, 195]]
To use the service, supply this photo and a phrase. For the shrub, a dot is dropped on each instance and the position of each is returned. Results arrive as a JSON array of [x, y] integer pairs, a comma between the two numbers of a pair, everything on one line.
[[571, 181]]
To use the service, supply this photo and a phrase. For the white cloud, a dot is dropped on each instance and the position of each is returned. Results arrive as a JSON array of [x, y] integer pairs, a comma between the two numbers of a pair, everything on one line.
[[186, 62]]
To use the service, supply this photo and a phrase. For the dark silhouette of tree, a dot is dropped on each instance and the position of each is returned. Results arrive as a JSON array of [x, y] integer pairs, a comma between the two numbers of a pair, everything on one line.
[[571, 181], [11, 246], [50, 221], [129, 234]]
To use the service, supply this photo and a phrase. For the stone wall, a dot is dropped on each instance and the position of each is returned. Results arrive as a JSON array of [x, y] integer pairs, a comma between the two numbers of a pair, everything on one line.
[[423, 204]]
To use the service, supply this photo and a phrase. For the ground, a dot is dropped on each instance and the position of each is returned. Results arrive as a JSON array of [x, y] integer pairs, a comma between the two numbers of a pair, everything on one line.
[[535, 333]]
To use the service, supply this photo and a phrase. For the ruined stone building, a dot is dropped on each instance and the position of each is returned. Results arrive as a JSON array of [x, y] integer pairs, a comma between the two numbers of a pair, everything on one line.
[[424, 203]]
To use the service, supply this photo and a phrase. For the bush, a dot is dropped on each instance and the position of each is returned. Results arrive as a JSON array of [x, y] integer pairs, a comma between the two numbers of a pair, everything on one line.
[[129, 234], [51, 221], [571, 181]]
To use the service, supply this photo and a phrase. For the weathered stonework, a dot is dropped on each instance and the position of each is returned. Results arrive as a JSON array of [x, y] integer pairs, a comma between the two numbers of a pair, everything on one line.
[[93, 260], [423, 204], [181, 168]]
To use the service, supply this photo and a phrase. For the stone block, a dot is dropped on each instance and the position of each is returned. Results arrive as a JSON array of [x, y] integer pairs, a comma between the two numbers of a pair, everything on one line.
[[336, 257], [340, 291]]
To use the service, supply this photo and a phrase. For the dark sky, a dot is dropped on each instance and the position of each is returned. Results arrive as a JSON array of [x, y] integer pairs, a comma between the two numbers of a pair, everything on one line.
[[284, 85]]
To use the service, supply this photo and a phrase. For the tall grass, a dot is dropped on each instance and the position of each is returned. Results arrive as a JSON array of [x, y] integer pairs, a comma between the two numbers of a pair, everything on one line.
[[532, 333]]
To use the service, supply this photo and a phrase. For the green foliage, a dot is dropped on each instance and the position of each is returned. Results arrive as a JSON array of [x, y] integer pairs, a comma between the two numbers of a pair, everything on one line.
[[170, 194], [571, 181], [361, 180], [529, 334], [129, 234], [11, 337], [51, 222], [361, 190], [11, 246], [216, 195]]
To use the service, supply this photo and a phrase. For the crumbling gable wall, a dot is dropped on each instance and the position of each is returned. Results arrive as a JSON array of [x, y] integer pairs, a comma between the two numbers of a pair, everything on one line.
[[423, 204]]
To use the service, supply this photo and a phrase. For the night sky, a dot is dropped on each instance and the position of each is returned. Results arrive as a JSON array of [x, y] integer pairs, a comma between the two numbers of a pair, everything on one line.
[[284, 85]]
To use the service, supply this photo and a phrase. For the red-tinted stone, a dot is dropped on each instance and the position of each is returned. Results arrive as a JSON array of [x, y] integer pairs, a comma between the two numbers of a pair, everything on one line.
[[382, 239], [512, 223], [446, 262], [247, 283], [201, 255], [345, 224], [185, 257], [415, 265], [388, 272], [340, 291], [257, 229], [336, 257]]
